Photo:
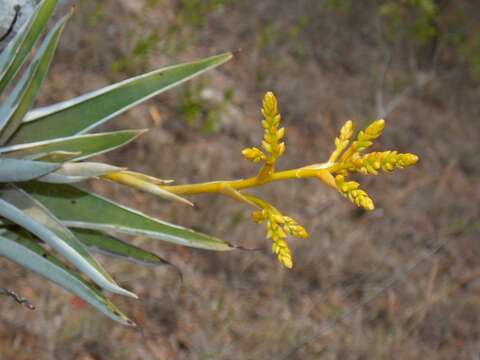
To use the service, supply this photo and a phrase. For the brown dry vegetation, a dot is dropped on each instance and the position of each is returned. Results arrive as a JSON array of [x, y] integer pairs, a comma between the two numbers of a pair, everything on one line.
[[243, 305]]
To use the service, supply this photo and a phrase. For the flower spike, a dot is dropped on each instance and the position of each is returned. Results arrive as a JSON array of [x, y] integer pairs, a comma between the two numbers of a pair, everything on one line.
[[347, 158], [273, 134], [387, 161], [350, 189], [278, 227]]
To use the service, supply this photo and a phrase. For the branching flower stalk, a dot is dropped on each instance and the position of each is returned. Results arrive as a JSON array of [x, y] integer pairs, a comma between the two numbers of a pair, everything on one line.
[[347, 158]]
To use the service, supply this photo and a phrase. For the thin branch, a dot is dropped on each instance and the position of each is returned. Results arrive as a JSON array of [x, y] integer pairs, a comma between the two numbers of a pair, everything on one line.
[[388, 56], [421, 80], [20, 300]]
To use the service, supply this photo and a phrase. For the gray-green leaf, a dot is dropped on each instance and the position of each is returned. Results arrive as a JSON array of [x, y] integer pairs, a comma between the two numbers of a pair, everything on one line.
[[81, 209], [75, 172], [15, 54], [20, 248], [20, 208], [14, 170], [85, 112], [112, 246], [86, 145], [23, 95]]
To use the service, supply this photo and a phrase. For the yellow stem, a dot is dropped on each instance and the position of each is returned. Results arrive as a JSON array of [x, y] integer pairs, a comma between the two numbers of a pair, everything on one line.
[[219, 186], [260, 203], [267, 169]]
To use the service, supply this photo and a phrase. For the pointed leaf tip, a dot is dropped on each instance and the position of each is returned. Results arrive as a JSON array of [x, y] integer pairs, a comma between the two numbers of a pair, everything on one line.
[[104, 104]]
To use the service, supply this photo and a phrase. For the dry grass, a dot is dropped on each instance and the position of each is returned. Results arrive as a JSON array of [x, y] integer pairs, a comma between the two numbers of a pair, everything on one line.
[[242, 305]]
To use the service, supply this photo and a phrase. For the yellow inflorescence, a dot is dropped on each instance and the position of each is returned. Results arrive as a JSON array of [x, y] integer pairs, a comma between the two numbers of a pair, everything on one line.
[[352, 161], [347, 158], [278, 227], [273, 134], [387, 161]]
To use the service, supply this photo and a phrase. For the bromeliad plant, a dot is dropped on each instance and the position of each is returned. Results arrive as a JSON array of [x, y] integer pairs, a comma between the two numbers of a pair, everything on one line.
[[47, 224]]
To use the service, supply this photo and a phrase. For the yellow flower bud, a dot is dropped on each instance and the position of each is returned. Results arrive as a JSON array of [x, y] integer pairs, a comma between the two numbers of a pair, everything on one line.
[[342, 141], [258, 216], [346, 131], [267, 146], [253, 154], [374, 130], [407, 159], [280, 133], [286, 259], [269, 104]]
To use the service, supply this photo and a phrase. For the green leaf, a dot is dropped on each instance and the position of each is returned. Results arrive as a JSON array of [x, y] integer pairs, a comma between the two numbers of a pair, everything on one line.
[[13, 170], [75, 172], [54, 156], [112, 246], [22, 97], [80, 209], [85, 112], [21, 248], [87, 145], [20, 208], [15, 54]]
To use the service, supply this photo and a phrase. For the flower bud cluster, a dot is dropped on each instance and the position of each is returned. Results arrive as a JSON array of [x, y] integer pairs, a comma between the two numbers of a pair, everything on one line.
[[350, 189], [273, 134], [347, 158], [387, 161], [278, 227], [352, 161]]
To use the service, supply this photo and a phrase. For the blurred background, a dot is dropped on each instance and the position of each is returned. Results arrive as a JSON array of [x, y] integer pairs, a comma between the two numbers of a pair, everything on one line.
[[414, 62]]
